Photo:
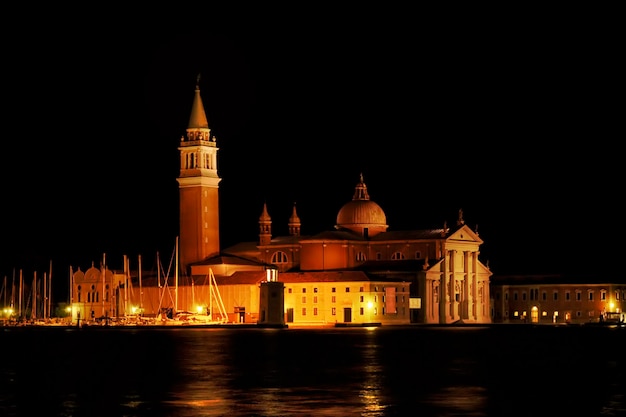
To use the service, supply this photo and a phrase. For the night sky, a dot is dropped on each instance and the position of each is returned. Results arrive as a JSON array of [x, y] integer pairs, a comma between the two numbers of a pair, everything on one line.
[[515, 123]]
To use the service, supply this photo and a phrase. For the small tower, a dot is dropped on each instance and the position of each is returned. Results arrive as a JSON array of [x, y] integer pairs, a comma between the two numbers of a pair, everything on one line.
[[272, 301], [265, 227], [294, 223]]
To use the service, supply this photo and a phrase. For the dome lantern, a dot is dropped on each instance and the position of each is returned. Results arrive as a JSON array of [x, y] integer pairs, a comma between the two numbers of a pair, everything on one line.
[[362, 215]]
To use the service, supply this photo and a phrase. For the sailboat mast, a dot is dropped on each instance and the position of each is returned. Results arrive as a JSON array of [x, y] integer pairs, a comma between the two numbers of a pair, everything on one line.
[[176, 274], [159, 281], [21, 293], [13, 292], [4, 287], [34, 303], [140, 287], [126, 274], [50, 290], [44, 299], [103, 269], [71, 293]]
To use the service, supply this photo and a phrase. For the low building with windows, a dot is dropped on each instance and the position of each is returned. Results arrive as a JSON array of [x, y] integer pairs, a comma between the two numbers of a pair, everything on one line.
[[557, 298]]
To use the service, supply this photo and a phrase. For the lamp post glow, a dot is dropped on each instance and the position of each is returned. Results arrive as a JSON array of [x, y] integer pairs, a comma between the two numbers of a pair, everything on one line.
[[8, 312]]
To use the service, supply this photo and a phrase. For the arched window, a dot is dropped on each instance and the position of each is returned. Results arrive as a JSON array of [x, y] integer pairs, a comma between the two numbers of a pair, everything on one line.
[[396, 256], [360, 257], [279, 258]]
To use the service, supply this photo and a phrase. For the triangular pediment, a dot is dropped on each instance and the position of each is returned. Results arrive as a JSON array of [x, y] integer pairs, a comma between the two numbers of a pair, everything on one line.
[[437, 268], [464, 234]]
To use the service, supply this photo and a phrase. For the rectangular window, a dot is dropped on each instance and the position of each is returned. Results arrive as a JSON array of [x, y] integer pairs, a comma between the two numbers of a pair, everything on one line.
[[289, 290], [590, 295], [361, 298], [360, 289], [315, 300], [361, 310], [333, 289], [544, 296], [347, 289], [568, 296], [555, 296], [578, 296], [315, 290], [333, 311], [303, 290], [315, 311], [333, 299], [603, 295], [304, 311], [303, 300]]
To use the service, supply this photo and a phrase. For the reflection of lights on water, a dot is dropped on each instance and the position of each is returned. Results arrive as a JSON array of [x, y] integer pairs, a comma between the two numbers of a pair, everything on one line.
[[370, 392], [467, 398]]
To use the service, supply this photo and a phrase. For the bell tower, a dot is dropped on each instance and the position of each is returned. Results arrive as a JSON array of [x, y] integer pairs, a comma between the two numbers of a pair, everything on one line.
[[198, 184]]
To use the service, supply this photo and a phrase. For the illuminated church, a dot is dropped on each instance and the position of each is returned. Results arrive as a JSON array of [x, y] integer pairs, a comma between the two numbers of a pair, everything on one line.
[[358, 272]]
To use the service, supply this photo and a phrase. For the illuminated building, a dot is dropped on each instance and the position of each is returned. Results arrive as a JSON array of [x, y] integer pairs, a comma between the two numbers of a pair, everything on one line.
[[556, 298], [360, 272]]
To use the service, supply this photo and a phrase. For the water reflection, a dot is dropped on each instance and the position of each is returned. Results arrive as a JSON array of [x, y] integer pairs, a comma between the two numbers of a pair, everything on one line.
[[463, 400], [371, 391], [438, 371]]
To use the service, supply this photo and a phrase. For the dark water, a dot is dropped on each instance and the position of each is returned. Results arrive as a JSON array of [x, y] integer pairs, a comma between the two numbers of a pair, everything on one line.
[[511, 370]]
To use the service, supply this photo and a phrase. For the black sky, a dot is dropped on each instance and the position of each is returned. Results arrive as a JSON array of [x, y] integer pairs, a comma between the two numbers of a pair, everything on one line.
[[514, 121]]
